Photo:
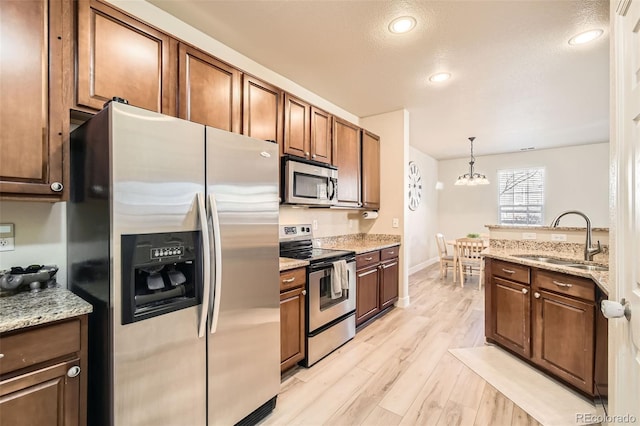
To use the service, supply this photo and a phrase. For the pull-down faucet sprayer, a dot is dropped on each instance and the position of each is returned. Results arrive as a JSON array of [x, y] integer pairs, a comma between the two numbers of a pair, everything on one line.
[[588, 251]]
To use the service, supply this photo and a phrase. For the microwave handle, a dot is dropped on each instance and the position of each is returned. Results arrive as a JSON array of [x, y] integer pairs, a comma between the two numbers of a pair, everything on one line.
[[333, 184]]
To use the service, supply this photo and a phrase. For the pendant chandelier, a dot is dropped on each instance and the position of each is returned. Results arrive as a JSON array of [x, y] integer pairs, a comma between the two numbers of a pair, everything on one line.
[[472, 178]]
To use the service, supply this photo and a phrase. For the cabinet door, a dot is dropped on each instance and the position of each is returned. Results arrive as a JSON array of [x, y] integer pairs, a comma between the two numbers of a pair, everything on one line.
[[296, 127], [370, 170], [261, 110], [563, 338], [45, 397], [511, 315], [292, 311], [389, 283], [346, 156], [120, 56], [320, 135], [367, 294], [34, 46], [209, 90]]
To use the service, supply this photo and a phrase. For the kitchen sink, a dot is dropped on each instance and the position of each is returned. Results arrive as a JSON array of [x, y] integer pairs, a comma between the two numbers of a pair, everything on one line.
[[564, 262]]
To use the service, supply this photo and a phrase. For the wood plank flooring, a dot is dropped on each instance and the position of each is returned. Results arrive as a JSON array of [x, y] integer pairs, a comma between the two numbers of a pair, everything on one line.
[[398, 371]]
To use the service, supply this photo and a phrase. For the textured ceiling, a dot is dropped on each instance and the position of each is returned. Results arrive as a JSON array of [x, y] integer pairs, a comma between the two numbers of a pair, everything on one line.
[[516, 82]]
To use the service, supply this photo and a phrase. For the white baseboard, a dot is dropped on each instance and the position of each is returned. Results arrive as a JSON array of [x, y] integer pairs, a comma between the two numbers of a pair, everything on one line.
[[402, 302], [421, 266]]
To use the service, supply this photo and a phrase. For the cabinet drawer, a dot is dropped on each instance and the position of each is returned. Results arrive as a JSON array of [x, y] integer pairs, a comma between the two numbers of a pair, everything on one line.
[[565, 284], [389, 253], [27, 347], [511, 271], [367, 259], [293, 278]]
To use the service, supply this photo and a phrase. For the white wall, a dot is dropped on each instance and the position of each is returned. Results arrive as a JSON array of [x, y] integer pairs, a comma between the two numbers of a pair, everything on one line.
[[576, 178], [40, 235], [393, 129], [423, 222]]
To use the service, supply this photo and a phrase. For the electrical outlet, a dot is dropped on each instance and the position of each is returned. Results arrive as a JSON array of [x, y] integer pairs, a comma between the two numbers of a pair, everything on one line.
[[315, 224], [528, 235], [7, 237], [395, 222], [558, 237]]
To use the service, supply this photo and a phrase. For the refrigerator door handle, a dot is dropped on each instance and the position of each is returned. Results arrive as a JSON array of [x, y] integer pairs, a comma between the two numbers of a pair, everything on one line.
[[206, 259], [217, 250]]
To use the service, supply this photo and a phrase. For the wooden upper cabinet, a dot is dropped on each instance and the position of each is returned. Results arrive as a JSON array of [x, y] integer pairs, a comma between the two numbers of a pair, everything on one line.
[[370, 170], [209, 90], [34, 51], [320, 135], [346, 157], [261, 110], [297, 122], [120, 56]]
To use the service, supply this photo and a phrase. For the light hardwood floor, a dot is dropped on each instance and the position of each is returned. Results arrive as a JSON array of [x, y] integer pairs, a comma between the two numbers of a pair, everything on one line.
[[398, 371]]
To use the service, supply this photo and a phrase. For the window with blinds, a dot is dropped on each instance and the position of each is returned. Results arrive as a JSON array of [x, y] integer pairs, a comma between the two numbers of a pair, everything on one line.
[[521, 196]]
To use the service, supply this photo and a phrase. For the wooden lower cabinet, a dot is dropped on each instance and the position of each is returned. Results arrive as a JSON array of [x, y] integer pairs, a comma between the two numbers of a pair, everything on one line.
[[367, 293], [563, 343], [551, 322], [377, 281], [511, 315], [43, 374], [292, 316]]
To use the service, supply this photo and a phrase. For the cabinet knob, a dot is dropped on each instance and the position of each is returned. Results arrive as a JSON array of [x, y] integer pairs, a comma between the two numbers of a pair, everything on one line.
[[57, 187], [536, 295], [525, 291], [313, 156], [1, 356], [306, 153], [304, 292], [73, 371]]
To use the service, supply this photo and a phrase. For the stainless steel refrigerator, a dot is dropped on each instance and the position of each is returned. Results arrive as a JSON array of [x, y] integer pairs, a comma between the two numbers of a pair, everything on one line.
[[173, 237]]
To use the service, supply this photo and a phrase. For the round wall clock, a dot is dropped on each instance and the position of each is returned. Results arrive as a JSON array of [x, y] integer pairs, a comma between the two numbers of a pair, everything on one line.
[[415, 186]]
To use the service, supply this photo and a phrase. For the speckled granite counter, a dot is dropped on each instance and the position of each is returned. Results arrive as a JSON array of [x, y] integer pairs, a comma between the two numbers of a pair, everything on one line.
[[287, 263], [601, 278], [27, 309], [360, 243]]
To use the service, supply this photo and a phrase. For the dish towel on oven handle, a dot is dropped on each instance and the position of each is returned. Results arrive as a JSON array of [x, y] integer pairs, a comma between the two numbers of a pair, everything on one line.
[[338, 279]]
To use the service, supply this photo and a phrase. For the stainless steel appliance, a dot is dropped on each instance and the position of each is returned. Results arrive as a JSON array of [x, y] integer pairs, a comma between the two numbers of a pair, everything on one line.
[[330, 317], [308, 182], [173, 237]]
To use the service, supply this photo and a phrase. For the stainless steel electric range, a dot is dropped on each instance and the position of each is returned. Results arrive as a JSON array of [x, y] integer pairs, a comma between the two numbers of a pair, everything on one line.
[[330, 314]]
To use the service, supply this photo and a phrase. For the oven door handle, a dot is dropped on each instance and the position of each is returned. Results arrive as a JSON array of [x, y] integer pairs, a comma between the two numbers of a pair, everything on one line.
[[327, 265]]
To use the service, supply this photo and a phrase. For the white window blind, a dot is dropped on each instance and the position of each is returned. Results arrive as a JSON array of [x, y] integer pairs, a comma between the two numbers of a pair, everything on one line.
[[521, 196]]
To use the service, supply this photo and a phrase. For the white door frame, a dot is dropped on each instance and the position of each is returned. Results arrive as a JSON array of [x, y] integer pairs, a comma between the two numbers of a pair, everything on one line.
[[624, 368]]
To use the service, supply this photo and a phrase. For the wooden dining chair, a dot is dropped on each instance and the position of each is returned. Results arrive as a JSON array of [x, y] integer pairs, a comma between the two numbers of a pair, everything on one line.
[[469, 259], [446, 260]]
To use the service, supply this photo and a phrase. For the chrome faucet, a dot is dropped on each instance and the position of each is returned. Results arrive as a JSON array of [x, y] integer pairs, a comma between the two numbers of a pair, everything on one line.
[[588, 251]]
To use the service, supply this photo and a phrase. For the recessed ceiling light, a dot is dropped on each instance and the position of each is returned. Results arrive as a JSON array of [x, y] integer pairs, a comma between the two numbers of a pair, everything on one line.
[[403, 24], [441, 76], [585, 37]]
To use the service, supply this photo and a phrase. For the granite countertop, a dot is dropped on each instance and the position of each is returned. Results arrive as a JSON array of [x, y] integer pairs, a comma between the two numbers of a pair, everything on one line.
[[287, 263], [27, 309], [601, 278], [546, 228], [360, 243]]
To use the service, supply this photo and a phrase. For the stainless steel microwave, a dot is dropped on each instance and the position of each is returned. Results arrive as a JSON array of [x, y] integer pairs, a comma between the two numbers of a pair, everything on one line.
[[309, 183]]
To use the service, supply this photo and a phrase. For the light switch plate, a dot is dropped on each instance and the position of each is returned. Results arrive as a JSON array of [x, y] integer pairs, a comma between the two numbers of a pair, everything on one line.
[[558, 237], [314, 224], [395, 223], [529, 236], [7, 237]]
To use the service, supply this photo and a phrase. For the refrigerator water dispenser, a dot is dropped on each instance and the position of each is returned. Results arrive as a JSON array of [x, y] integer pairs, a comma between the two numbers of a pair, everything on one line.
[[161, 273]]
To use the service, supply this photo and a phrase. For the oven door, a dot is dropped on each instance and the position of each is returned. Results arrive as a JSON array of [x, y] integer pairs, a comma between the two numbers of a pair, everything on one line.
[[321, 307]]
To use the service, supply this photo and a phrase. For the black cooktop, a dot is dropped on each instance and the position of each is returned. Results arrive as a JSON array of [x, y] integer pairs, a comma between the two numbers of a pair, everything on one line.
[[304, 250]]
